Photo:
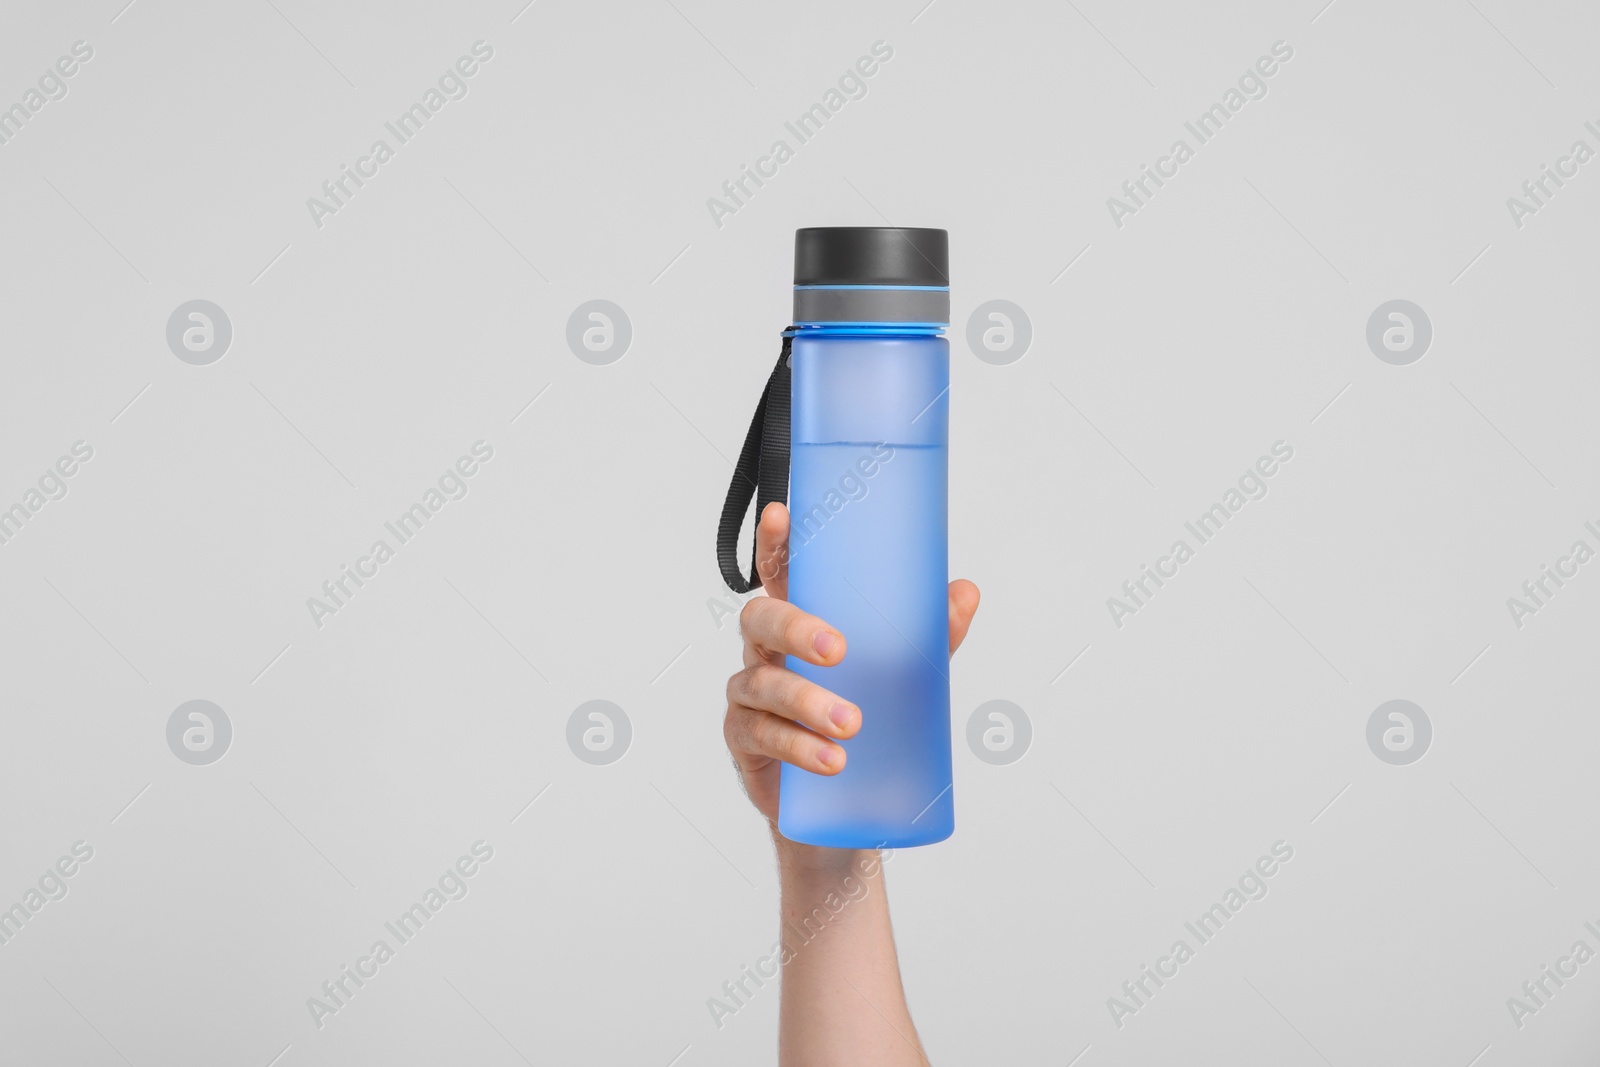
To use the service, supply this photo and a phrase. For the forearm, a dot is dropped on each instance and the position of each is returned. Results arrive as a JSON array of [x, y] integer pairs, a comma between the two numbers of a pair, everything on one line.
[[842, 1002]]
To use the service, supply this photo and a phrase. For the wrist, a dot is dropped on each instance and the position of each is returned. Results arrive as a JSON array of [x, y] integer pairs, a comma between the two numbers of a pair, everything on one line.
[[801, 864]]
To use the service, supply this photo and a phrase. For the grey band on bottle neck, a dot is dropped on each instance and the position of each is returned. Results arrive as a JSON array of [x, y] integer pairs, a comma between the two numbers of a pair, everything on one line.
[[864, 304]]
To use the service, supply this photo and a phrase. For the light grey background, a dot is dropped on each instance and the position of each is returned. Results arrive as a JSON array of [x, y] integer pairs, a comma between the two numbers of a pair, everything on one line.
[[1167, 354]]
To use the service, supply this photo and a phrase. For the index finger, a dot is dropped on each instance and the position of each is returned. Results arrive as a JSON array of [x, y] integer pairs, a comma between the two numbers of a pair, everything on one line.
[[772, 550], [773, 627]]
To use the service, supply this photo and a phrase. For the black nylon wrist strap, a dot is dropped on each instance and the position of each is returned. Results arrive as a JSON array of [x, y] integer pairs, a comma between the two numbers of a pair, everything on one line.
[[762, 472]]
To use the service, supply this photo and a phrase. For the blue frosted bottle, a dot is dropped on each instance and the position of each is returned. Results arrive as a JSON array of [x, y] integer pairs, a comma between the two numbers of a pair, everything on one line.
[[869, 431]]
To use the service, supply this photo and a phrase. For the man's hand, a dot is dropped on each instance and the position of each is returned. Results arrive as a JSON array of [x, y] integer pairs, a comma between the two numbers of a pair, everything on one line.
[[842, 1001], [767, 704]]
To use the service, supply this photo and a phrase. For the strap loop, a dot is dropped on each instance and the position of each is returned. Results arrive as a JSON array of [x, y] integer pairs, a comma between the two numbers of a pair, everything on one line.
[[762, 472]]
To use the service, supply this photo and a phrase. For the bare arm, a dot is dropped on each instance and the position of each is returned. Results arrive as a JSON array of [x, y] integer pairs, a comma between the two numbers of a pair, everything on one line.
[[842, 1002]]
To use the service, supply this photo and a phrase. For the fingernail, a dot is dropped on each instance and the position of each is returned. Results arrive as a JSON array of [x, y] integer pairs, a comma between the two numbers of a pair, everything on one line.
[[826, 756], [824, 643], [839, 715]]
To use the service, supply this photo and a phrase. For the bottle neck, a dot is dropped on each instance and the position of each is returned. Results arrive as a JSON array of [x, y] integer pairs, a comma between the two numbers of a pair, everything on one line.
[[871, 310]]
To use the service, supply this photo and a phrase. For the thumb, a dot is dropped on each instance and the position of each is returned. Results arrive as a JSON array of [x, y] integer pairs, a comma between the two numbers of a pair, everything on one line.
[[963, 606]]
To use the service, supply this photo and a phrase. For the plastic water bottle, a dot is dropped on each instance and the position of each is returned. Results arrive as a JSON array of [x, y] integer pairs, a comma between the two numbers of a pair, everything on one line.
[[868, 538]]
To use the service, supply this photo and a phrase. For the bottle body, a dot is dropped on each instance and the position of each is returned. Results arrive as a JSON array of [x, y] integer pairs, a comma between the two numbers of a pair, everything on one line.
[[868, 553]]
